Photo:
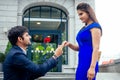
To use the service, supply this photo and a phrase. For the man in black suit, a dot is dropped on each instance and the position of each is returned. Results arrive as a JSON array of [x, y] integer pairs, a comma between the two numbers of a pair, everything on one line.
[[17, 66]]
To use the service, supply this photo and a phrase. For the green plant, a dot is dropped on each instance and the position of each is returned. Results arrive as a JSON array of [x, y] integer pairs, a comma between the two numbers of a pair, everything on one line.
[[2, 57], [8, 47]]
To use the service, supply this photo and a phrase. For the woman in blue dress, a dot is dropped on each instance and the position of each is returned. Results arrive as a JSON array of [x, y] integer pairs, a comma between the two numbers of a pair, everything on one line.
[[88, 39]]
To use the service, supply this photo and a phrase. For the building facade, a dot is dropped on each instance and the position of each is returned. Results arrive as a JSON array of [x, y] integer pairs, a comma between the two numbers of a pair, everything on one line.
[[49, 21]]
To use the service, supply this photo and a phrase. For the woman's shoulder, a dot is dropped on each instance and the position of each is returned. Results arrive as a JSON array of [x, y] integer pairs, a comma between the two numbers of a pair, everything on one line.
[[94, 25]]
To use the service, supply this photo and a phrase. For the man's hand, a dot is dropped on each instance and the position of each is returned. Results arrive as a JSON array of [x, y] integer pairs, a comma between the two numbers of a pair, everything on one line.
[[59, 51]]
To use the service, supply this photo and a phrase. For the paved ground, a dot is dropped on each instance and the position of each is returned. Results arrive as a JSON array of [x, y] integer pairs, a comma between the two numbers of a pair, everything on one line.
[[100, 76], [108, 76]]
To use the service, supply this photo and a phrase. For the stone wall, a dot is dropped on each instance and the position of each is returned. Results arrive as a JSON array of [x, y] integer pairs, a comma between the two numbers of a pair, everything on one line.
[[8, 18], [112, 67]]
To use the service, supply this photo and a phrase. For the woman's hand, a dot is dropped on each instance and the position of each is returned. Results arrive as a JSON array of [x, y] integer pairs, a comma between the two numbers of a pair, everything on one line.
[[65, 43], [91, 73], [72, 46]]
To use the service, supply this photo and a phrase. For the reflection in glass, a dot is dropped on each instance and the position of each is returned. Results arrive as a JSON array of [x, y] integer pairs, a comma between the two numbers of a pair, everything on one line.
[[45, 12], [35, 12]]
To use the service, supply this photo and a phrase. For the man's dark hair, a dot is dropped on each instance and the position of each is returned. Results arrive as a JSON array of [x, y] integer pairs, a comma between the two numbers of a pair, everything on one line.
[[16, 32]]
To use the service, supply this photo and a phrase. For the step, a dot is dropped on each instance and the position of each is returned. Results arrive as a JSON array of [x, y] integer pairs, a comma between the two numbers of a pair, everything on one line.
[[71, 76], [52, 76], [58, 76]]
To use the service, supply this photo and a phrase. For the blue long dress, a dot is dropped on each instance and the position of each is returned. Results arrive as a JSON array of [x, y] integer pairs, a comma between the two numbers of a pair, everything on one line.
[[84, 39]]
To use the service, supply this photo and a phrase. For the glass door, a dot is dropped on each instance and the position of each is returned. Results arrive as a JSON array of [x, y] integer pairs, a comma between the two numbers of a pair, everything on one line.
[[43, 47]]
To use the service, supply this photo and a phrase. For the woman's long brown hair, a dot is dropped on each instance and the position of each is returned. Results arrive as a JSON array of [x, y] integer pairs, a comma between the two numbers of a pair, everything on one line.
[[88, 9]]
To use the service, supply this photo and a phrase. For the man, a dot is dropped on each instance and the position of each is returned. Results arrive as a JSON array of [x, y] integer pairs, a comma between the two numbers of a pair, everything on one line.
[[16, 65]]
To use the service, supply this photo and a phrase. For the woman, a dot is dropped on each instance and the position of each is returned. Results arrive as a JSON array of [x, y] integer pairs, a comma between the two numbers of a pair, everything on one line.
[[88, 39]]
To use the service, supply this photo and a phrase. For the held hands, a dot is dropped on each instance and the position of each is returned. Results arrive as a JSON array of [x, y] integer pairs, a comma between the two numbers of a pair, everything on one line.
[[59, 51], [66, 43]]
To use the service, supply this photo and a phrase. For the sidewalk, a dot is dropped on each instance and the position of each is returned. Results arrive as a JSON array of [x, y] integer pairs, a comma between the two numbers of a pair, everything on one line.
[[108, 76], [100, 76], [70, 76]]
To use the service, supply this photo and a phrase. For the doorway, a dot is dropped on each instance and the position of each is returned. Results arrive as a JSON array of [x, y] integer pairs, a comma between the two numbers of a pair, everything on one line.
[[48, 28]]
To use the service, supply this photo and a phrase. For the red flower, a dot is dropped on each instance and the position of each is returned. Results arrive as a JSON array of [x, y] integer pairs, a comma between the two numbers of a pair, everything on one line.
[[47, 40]]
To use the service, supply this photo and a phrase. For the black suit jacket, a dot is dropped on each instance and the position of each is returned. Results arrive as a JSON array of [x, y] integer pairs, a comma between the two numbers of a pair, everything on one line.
[[18, 67]]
